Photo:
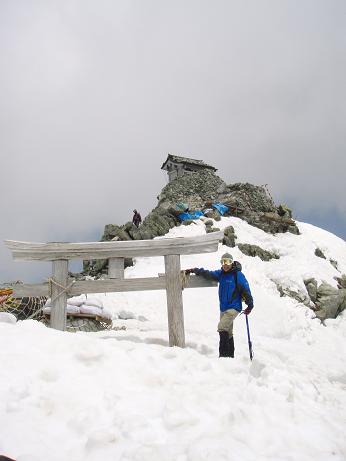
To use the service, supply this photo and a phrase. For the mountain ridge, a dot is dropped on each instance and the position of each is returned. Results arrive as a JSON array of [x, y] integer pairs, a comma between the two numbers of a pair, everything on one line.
[[250, 203]]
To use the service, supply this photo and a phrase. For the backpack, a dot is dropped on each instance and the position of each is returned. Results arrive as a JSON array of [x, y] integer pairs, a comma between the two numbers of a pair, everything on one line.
[[237, 266]]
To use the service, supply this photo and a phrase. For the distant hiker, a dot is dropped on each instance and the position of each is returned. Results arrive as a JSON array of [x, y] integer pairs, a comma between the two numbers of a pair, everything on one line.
[[233, 286], [137, 219]]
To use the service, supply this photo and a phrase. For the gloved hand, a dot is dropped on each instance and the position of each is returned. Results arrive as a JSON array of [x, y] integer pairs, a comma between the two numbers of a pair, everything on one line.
[[189, 271], [248, 310]]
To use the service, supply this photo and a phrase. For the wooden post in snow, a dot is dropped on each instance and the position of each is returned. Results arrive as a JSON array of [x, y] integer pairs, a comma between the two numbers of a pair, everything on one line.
[[174, 294], [116, 268], [59, 296]]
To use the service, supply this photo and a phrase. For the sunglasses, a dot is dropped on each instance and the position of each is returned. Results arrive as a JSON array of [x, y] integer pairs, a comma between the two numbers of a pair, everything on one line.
[[226, 261]]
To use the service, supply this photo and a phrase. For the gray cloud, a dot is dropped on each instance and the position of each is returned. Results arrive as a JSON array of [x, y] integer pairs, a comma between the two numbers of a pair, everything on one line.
[[95, 96]]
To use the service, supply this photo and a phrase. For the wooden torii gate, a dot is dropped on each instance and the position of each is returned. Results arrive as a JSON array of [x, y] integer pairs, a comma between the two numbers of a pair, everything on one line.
[[60, 286]]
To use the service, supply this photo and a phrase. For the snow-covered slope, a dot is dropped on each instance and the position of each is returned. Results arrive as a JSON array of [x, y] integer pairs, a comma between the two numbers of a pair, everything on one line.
[[125, 395]]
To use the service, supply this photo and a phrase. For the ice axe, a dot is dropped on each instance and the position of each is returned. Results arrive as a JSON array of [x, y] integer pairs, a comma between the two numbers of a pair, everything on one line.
[[248, 336]]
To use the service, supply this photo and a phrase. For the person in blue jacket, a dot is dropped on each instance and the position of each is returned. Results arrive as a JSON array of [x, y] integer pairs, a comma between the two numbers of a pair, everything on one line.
[[233, 287]]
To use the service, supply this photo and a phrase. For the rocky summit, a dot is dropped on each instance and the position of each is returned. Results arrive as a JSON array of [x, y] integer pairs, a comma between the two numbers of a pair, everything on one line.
[[199, 191]]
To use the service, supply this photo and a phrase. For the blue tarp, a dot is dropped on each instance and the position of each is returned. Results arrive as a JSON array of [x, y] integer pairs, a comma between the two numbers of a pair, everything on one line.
[[197, 214], [220, 208], [193, 215]]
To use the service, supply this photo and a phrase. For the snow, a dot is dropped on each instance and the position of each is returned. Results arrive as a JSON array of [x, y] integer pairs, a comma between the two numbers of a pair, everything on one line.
[[125, 395]]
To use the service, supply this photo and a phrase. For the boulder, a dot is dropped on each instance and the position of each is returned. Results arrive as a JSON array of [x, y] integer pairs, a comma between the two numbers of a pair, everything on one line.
[[330, 302], [325, 290], [212, 229], [187, 222], [341, 281], [319, 253], [195, 189], [273, 223], [229, 237], [246, 197], [311, 287], [213, 214], [111, 231], [255, 250]]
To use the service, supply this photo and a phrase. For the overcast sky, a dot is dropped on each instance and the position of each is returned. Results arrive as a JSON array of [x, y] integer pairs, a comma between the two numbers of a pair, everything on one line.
[[95, 94]]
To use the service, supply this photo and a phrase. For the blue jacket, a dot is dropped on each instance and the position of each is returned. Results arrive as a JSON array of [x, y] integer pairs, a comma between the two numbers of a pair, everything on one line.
[[229, 296]]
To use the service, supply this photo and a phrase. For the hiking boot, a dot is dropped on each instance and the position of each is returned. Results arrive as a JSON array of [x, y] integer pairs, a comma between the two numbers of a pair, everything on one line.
[[231, 347], [224, 344]]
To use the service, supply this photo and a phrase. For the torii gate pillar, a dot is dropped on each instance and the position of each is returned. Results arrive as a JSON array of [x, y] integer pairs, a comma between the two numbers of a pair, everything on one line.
[[59, 295], [176, 331]]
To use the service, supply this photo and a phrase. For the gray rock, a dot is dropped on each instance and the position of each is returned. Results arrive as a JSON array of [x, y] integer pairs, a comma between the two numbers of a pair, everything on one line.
[[284, 210], [194, 189], [229, 230], [212, 229], [325, 290], [135, 233], [254, 250], [329, 306], [299, 296], [187, 222], [311, 287], [214, 214], [293, 229], [111, 231], [328, 302], [334, 263], [272, 223], [246, 196], [229, 237], [341, 281], [319, 253]]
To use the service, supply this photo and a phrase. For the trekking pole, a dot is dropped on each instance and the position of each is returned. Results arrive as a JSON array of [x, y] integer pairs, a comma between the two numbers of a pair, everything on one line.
[[248, 338]]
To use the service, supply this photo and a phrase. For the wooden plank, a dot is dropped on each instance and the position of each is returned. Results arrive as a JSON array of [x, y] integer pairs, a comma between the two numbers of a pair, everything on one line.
[[174, 301], [109, 286], [116, 268], [157, 242], [22, 290], [182, 248], [114, 249], [194, 281], [59, 296], [117, 285], [95, 286]]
